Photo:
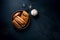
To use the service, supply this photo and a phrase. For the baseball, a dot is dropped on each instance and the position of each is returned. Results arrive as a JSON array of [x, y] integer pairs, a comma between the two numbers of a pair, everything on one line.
[[34, 12]]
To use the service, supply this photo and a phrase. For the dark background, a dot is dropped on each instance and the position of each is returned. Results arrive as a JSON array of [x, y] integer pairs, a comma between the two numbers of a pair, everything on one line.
[[45, 26]]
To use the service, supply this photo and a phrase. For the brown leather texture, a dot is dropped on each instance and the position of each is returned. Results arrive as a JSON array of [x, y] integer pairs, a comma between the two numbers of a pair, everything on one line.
[[20, 19]]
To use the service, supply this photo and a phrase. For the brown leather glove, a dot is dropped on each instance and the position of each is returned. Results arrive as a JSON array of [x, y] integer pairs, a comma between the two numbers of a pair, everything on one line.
[[20, 19]]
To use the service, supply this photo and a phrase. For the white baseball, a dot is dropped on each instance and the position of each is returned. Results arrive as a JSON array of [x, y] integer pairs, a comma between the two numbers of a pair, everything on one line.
[[34, 12]]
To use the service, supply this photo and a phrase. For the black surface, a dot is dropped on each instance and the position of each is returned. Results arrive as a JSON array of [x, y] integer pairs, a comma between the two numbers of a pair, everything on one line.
[[45, 26]]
